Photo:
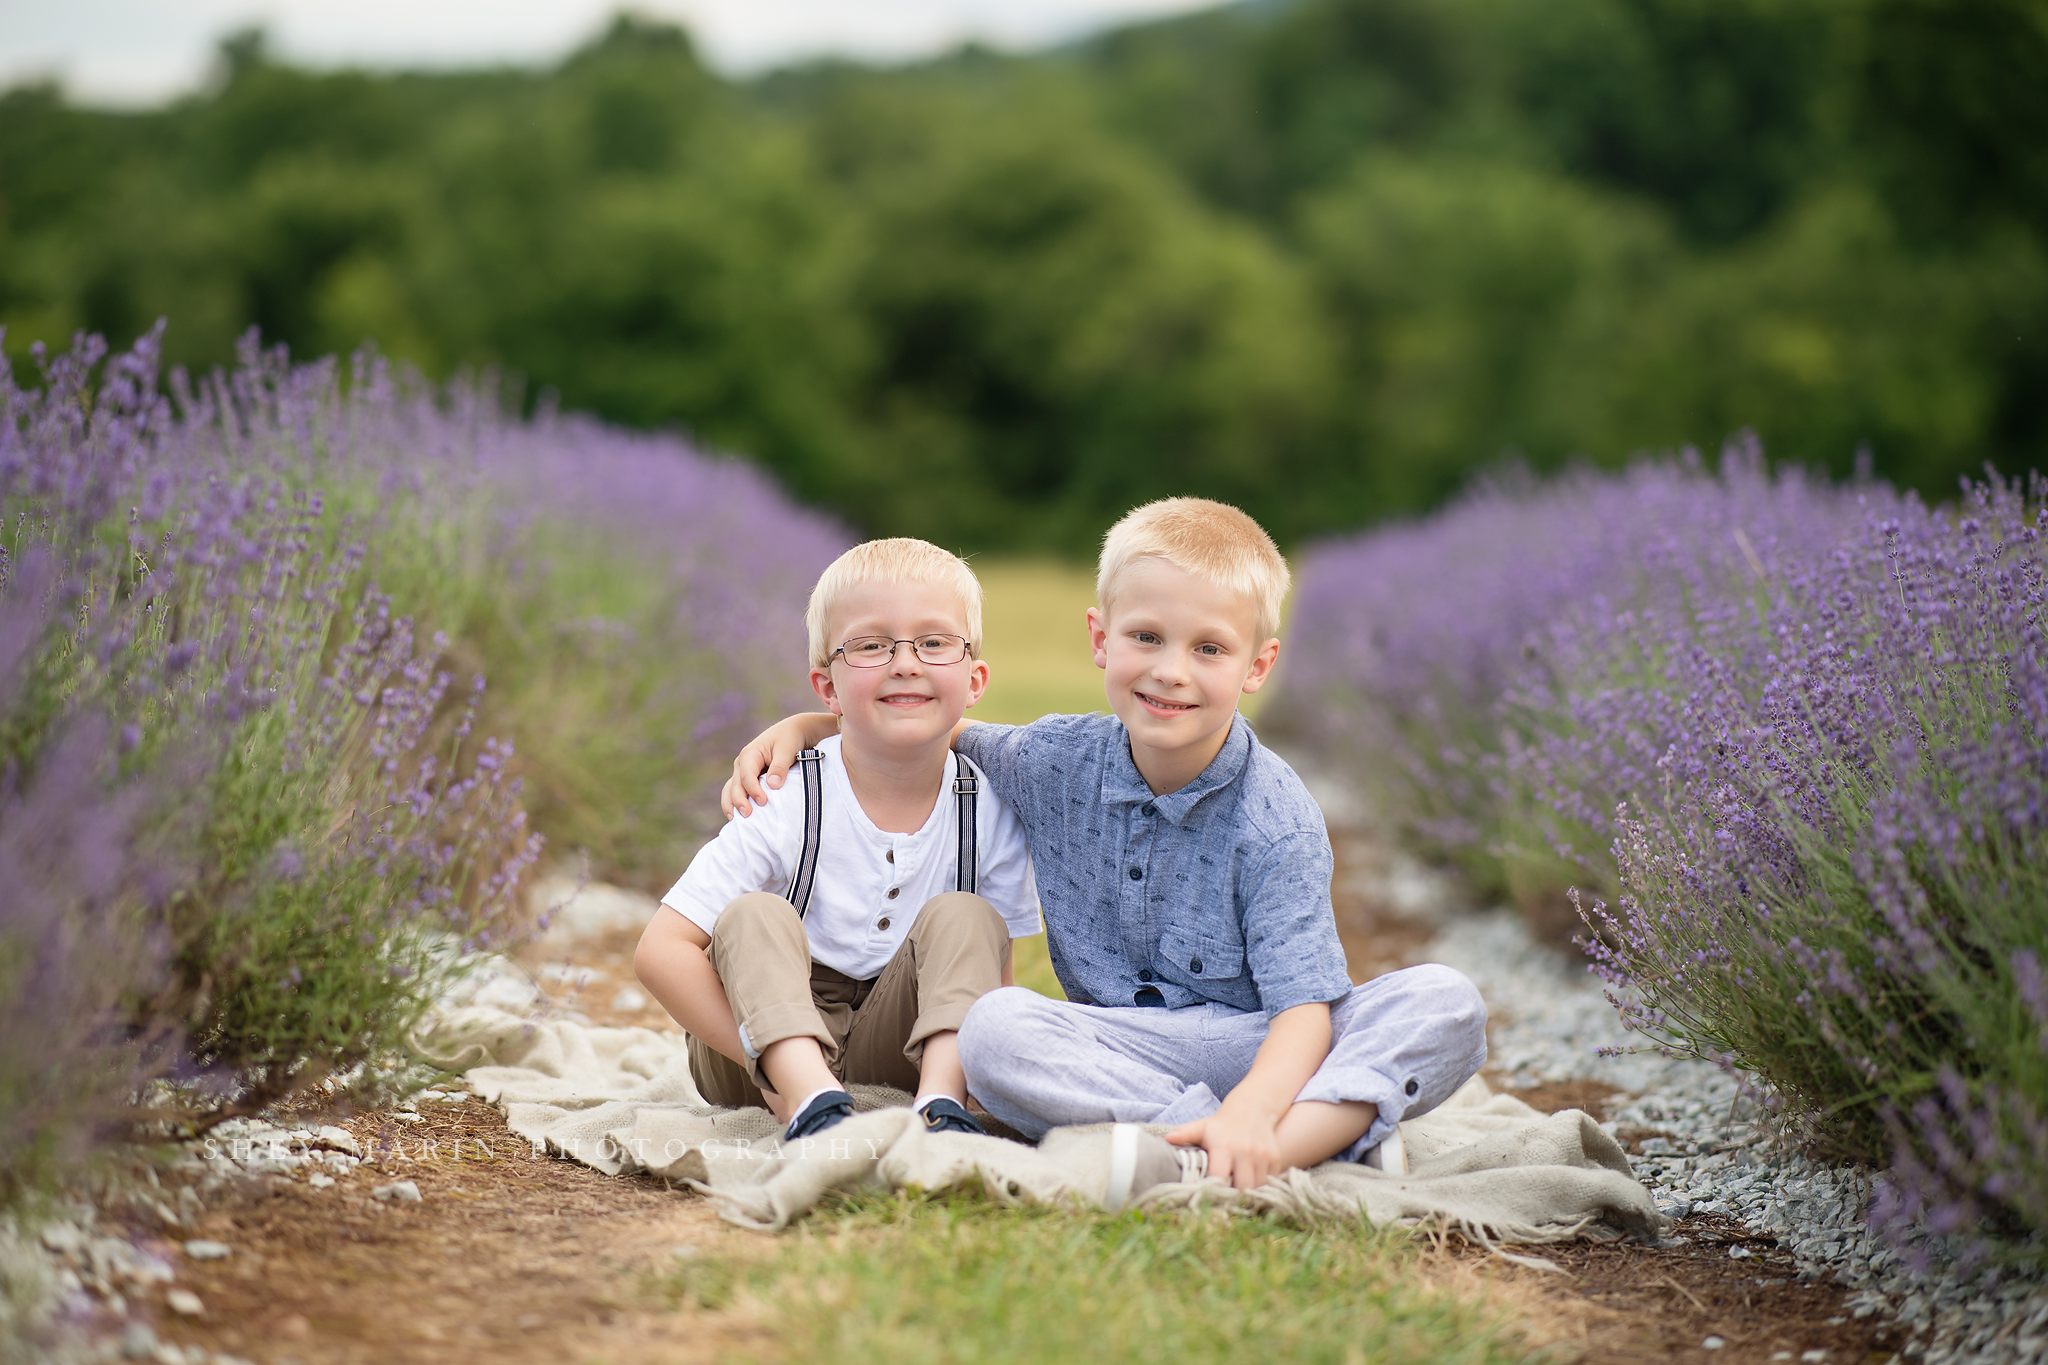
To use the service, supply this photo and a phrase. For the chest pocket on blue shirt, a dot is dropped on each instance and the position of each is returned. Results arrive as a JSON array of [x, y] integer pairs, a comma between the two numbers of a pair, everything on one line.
[[1197, 958]]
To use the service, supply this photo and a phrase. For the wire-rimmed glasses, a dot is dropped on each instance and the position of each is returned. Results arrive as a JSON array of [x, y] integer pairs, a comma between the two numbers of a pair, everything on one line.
[[873, 651]]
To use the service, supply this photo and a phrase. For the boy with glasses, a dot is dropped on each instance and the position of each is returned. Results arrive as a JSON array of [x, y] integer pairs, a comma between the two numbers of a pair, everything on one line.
[[842, 933]]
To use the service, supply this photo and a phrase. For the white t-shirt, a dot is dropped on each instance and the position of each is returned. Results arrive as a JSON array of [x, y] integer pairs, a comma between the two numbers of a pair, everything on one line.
[[854, 922]]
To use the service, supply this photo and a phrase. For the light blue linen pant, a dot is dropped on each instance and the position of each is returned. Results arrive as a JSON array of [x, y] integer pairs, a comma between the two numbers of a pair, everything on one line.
[[1404, 1041]]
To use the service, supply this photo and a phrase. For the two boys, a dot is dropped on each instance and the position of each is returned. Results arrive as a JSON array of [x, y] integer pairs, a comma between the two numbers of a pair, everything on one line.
[[1185, 885]]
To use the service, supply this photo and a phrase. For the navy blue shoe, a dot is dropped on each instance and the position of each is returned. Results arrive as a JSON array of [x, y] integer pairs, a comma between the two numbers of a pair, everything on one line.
[[832, 1107], [945, 1116]]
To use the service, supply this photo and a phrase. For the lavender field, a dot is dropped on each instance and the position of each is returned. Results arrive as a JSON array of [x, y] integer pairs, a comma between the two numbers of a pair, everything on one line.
[[302, 668], [1784, 746]]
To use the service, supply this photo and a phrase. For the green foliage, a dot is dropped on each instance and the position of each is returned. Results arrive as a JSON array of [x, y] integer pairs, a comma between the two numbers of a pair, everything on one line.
[[1954, 97], [1059, 330], [1715, 109], [592, 664], [963, 1279], [1478, 306], [1324, 259]]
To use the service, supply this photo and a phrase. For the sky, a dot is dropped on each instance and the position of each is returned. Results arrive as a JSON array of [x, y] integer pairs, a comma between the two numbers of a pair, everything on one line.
[[139, 52]]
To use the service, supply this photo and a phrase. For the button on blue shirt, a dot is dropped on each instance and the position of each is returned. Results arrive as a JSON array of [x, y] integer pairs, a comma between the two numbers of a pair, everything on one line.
[[1218, 892]]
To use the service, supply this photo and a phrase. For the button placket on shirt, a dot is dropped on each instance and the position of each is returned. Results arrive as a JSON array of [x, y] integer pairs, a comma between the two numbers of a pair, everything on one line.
[[1135, 903], [899, 872]]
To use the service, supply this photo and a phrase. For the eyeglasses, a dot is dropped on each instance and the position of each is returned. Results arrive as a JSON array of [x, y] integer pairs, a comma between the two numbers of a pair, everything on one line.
[[873, 651]]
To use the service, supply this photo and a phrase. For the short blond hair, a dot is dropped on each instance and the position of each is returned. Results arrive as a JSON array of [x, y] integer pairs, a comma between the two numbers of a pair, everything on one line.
[[900, 559], [1211, 540]]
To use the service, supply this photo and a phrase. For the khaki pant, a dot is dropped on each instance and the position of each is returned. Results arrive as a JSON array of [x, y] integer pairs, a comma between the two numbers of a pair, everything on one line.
[[870, 1031]]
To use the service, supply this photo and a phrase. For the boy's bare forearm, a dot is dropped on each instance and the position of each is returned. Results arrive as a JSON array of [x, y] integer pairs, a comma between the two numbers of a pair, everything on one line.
[[812, 726], [1242, 1137], [816, 725], [1296, 1044]]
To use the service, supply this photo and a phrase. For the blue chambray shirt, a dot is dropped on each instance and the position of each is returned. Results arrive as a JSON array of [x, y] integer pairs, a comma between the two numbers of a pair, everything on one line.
[[1217, 892]]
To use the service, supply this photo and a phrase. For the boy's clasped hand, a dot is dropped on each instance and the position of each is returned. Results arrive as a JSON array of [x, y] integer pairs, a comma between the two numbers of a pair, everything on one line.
[[853, 922]]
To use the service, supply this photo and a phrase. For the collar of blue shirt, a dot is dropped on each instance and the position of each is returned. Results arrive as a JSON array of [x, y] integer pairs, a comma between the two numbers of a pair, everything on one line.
[[1123, 785]]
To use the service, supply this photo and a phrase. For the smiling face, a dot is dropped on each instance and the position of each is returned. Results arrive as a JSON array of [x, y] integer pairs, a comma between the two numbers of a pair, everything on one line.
[[905, 704], [1177, 651]]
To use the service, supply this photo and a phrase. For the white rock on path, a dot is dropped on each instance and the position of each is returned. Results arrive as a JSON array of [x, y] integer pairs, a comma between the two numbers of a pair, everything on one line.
[[578, 910], [338, 1139], [400, 1192], [202, 1249], [63, 1237], [186, 1302]]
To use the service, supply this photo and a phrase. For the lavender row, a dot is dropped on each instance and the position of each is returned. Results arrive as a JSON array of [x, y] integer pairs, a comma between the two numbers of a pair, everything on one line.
[[1790, 741], [256, 801]]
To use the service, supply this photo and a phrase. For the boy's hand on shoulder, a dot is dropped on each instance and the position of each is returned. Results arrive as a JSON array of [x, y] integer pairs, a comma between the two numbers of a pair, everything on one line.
[[768, 758], [1242, 1146]]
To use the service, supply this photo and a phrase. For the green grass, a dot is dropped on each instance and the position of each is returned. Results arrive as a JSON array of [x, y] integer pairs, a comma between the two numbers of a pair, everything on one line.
[[964, 1281]]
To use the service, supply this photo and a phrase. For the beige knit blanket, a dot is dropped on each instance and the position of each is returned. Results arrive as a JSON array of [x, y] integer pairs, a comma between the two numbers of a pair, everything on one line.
[[621, 1100]]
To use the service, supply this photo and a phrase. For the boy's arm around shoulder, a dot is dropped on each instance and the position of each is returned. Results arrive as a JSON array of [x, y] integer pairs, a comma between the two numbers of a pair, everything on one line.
[[1019, 760], [768, 757]]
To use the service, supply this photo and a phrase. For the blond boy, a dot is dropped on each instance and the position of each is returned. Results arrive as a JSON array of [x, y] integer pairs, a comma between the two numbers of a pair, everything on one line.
[[842, 933], [1187, 896]]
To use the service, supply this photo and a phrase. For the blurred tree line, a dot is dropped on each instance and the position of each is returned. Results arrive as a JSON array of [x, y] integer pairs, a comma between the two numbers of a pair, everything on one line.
[[1319, 257]]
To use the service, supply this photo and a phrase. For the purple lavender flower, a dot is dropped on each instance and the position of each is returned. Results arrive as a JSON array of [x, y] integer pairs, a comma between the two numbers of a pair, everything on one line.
[[1794, 741]]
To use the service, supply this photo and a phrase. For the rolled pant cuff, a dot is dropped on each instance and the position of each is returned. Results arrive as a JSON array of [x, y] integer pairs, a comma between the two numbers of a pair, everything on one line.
[[773, 1023], [941, 1019]]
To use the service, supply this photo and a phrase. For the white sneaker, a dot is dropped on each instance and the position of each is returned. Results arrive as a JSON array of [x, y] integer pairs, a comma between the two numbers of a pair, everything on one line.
[[1140, 1161], [1390, 1156]]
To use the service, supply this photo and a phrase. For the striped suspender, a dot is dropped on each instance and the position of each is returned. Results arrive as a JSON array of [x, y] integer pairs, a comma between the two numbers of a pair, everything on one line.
[[964, 789], [811, 763]]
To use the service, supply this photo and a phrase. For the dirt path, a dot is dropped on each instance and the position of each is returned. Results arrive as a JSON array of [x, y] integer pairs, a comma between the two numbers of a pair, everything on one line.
[[510, 1253], [533, 1259], [525, 1258]]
